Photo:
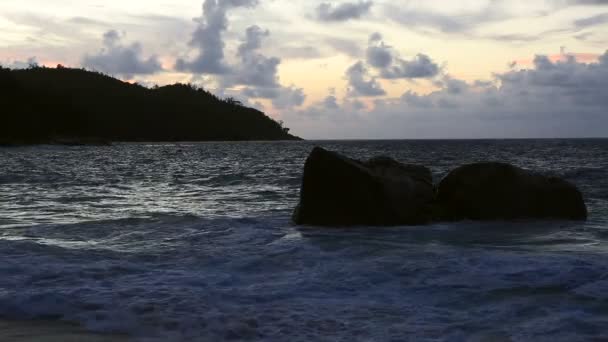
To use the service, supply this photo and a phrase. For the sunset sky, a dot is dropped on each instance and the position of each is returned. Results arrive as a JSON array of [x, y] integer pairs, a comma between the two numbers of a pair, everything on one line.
[[346, 69]]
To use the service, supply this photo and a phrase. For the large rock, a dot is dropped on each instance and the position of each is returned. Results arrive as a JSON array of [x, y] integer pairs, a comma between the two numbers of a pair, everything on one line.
[[339, 191], [494, 191]]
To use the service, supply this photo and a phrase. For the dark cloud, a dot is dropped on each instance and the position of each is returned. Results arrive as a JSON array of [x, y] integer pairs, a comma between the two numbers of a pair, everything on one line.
[[416, 100], [255, 76], [591, 21], [207, 38], [421, 66], [343, 12], [253, 40], [566, 98], [346, 112], [455, 86], [413, 18], [254, 68], [259, 73], [289, 97], [32, 61], [117, 59], [391, 66], [282, 97], [331, 102], [375, 37], [604, 59], [388, 65], [258, 70], [550, 88], [378, 54], [588, 2], [360, 83], [260, 93], [111, 38]]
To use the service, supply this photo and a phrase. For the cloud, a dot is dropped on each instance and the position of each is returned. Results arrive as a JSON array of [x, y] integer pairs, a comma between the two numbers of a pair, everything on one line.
[[289, 97], [421, 66], [282, 97], [259, 73], [330, 110], [86, 21], [415, 100], [207, 38], [345, 46], [330, 102], [111, 38], [255, 76], [253, 40], [255, 69], [413, 17], [32, 61], [591, 21], [392, 66], [378, 54], [117, 59], [568, 87], [342, 12], [515, 37], [360, 83], [588, 2], [300, 52], [473, 18], [552, 98], [604, 59], [388, 65]]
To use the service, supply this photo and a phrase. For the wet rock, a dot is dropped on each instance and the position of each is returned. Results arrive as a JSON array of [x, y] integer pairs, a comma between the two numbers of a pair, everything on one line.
[[499, 191], [340, 191]]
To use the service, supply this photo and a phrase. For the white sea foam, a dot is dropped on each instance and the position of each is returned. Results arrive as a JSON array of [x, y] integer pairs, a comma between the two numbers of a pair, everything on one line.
[[181, 278]]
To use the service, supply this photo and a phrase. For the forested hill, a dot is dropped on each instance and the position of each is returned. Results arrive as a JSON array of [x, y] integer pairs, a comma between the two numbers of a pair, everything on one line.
[[40, 105]]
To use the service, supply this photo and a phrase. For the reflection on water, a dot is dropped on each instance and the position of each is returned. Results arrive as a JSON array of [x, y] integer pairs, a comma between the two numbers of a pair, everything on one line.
[[193, 242]]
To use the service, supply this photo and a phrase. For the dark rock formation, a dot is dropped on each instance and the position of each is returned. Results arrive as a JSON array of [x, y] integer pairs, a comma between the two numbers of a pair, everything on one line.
[[492, 191], [339, 191]]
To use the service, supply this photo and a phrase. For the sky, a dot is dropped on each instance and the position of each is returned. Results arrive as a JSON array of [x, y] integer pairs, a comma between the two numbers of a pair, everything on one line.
[[347, 69]]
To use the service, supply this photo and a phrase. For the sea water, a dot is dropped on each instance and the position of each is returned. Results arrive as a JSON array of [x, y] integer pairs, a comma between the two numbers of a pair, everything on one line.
[[175, 242]]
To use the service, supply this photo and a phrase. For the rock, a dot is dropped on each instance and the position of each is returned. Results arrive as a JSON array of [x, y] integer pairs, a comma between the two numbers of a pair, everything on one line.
[[339, 191], [499, 191]]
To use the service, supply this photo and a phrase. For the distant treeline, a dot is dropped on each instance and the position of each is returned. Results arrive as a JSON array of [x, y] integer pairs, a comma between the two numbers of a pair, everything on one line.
[[40, 105]]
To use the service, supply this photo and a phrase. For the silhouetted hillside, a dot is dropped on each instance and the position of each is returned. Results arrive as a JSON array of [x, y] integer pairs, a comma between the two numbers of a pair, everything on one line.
[[44, 104]]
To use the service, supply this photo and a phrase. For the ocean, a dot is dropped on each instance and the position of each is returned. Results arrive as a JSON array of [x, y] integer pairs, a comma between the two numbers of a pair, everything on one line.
[[193, 241]]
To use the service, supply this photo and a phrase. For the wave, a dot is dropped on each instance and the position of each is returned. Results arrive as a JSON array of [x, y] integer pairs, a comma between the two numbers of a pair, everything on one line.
[[174, 277]]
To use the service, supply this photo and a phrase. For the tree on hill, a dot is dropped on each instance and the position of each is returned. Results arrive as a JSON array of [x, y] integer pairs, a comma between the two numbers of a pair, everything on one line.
[[42, 104]]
